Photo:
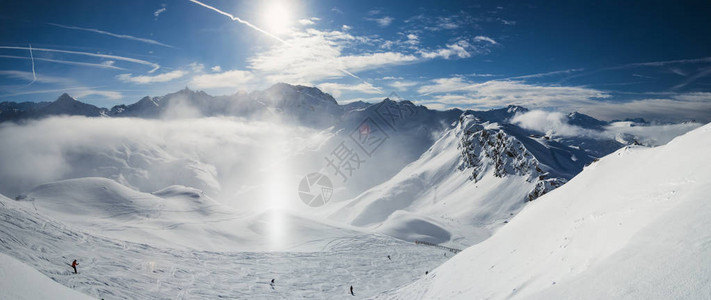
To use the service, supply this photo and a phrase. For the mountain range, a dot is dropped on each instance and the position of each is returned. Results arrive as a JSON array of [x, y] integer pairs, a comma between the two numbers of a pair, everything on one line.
[[152, 192], [413, 173]]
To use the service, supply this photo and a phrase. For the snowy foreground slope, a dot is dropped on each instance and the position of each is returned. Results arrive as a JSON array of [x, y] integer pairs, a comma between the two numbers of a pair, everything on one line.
[[635, 224], [176, 244], [19, 281]]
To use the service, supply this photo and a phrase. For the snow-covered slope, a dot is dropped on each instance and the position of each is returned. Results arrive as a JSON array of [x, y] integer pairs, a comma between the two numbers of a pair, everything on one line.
[[118, 269], [177, 217], [19, 281], [470, 182], [633, 225]]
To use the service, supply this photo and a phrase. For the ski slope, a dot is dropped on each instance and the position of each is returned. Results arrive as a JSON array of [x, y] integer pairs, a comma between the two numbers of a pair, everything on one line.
[[19, 281], [46, 232], [635, 224]]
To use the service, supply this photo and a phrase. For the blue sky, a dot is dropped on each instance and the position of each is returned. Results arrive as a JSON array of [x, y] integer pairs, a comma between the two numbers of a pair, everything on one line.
[[607, 59]]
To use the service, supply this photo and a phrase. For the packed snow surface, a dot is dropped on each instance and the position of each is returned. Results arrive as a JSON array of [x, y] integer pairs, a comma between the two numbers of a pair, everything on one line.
[[155, 255], [19, 281], [635, 224]]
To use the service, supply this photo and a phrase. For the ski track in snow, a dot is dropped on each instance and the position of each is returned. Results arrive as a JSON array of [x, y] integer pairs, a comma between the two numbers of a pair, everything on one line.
[[114, 269]]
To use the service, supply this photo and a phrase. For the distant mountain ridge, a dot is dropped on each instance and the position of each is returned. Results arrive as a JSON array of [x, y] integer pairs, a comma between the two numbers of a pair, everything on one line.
[[306, 105]]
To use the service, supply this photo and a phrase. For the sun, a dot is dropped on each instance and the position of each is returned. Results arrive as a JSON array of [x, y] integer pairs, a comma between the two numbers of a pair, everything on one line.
[[277, 15]]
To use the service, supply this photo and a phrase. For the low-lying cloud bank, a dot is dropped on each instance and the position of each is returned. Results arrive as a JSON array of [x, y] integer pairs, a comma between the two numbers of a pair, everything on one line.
[[221, 156], [556, 124]]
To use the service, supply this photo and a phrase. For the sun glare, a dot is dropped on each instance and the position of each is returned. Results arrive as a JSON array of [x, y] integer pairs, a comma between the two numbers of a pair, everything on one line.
[[277, 16]]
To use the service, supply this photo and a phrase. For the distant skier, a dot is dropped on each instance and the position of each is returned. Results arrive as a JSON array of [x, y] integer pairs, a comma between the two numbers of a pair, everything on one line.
[[427, 272], [352, 294], [74, 266], [272, 284], [389, 257], [272, 280]]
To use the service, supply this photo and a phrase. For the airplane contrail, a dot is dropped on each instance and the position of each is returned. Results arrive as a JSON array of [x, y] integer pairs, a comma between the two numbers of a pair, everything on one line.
[[128, 59], [68, 62], [121, 36], [34, 75], [273, 36], [241, 21]]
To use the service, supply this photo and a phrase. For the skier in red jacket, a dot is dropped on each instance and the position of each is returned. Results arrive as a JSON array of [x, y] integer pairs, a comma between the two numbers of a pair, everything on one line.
[[74, 265]]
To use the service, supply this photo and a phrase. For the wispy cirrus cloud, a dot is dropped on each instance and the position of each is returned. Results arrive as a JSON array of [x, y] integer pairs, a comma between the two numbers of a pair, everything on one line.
[[496, 93], [672, 65], [145, 79], [675, 107], [155, 66], [462, 93], [116, 35]]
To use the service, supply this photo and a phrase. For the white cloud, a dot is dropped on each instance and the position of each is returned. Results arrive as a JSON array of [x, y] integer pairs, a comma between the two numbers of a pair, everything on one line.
[[315, 55], [227, 79], [383, 21], [196, 67], [438, 23], [507, 22], [551, 123], [458, 49], [556, 124], [145, 79], [337, 89], [216, 69], [61, 147], [402, 85], [159, 11], [306, 22], [482, 38], [83, 92]]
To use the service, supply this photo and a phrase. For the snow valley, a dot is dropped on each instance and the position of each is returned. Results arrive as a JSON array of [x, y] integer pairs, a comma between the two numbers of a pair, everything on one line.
[[188, 195]]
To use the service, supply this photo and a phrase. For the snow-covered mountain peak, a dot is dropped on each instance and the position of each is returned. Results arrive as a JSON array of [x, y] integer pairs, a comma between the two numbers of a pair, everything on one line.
[[284, 92], [486, 147], [65, 98]]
